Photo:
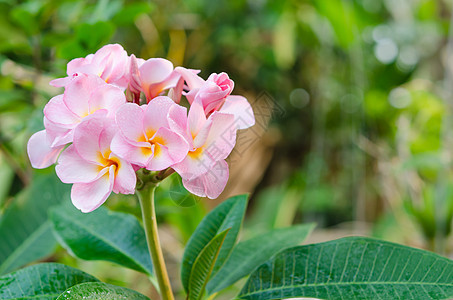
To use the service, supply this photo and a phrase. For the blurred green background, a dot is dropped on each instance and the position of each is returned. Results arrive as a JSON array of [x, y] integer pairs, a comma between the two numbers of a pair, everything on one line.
[[353, 100]]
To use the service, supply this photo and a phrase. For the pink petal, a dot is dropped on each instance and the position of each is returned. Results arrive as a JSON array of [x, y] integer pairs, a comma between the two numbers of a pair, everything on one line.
[[78, 93], [196, 118], [156, 114], [106, 97], [113, 64], [57, 112], [190, 76], [39, 151], [86, 139], [210, 184], [106, 136], [60, 82], [76, 63], [241, 109], [72, 168], [190, 96], [125, 179], [134, 76], [129, 118], [214, 91], [57, 135], [222, 136], [194, 164], [177, 120], [170, 82], [200, 139], [176, 92], [89, 196], [155, 70], [169, 148], [131, 153]]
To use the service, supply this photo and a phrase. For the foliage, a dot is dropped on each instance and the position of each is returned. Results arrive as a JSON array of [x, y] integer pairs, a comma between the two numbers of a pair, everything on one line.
[[348, 268], [352, 268], [98, 236]]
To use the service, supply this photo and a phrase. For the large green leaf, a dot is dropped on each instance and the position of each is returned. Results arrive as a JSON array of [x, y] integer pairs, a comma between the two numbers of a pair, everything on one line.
[[203, 266], [228, 214], [103, 235], [25, 233], [100, 290], [250, 254], [42, 281], [352, 268]]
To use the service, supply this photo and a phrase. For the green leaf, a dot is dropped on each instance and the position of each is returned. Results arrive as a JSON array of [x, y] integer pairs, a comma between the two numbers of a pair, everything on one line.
[[25, 233], [131, 11], [103, 235], [204, 265], [100, 290], [228, 214], [352, 268], [41, 281], [250, 254]]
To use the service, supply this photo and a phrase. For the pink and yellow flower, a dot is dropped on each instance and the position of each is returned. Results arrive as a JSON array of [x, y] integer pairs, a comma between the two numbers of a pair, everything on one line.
[[214, 94], [145, 137], [211, 140], [93, 169], [152, 77], [84, 97], [110, 63], [100, 140]]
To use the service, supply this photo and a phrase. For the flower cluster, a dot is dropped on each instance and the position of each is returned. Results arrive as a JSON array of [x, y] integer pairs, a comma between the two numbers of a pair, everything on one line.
[[119, 113]]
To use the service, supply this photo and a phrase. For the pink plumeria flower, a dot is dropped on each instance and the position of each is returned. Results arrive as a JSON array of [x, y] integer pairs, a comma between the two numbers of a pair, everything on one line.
[[211, 140], [145, 137], [212, 93], [92, 167], [152, 77], [85, 96], [215, 95], [110, 63]]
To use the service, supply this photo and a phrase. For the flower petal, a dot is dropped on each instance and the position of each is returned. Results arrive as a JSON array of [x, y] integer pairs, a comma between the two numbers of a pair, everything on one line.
[[176, 92], [154, 70], [169, 148], [57, 135], [194, 164], [193, 81], [177, 120], [196, 118], [105, 138], [210, 184], [222, 136], [131, 153], [107, 97], [156, 114], [72, 168], [241, 109], [57, 112], [113, 64], [129, 119], [39, 151], [78, 93], [125, 178], [89, 196], [87, 136]]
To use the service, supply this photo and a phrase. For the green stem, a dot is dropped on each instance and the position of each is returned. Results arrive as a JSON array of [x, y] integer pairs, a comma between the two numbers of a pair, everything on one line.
[[146, 198]]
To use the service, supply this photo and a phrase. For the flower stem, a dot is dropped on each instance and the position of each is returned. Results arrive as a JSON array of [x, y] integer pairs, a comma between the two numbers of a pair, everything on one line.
[[146, 198]]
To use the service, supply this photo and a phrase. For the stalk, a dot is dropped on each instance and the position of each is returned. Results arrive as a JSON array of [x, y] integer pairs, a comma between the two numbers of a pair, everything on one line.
[[146, 198]]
